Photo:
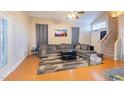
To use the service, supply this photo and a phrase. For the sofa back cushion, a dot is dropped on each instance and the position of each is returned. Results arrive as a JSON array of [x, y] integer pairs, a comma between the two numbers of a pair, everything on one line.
[[62, 46], [68, 46], [84, 46], [51, 48]]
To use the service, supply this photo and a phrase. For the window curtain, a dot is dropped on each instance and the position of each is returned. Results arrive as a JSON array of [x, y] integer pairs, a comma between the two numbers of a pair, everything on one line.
[[75, 35], [41, 34], [3, 43]]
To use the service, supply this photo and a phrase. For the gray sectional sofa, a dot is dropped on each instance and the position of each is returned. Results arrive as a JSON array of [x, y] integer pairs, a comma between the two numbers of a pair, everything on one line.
[[84, 50]]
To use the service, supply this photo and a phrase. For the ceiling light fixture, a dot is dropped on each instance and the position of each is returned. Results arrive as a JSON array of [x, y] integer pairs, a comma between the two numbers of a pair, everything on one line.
[[74, 15], [115, 14]]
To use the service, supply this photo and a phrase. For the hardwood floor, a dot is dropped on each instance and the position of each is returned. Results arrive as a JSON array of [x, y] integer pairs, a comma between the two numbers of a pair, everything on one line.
[[28, 71]]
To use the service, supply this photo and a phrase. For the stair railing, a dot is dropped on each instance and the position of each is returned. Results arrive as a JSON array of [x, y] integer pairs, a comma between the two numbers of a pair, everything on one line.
[[111, 36]]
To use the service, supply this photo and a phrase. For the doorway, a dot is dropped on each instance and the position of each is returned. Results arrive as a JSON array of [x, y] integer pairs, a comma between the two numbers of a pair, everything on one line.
[[5, 45]]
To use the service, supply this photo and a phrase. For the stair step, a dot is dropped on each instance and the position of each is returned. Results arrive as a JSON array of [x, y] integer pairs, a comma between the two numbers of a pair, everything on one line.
[[109, 44], [108, 48], [109, 52], [111, 41], [109, 55]]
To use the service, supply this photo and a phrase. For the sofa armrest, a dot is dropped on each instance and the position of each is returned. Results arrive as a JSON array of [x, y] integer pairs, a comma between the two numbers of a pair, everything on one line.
[[42, 52]]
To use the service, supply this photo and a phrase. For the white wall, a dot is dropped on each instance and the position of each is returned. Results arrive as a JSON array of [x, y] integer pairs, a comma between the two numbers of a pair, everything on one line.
[[20, 35], [120, 28], [54, 24], [95, 35], [121, 20], [85, 34]]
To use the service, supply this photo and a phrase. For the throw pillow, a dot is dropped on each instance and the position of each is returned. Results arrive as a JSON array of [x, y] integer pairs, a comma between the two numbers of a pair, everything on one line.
[[77, 47]]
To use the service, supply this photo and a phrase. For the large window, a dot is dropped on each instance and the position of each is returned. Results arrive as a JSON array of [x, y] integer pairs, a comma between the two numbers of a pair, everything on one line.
[[3, 42], [100, 25]]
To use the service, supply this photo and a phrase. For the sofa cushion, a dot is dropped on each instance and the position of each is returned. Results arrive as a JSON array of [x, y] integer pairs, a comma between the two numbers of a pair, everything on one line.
[[68, 46], [85, 51], [62, 46], [57, 47], [84, 46], [51, 48]]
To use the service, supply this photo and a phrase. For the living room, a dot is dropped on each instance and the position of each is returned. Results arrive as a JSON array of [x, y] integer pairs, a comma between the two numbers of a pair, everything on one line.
[[54, 46], [24, 44]]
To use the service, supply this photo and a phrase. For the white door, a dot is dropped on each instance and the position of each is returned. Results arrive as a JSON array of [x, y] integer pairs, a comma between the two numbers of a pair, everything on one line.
[[5, 62]]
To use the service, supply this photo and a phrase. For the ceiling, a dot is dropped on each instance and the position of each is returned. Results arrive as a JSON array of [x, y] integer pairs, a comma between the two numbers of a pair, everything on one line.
[[87, 17]]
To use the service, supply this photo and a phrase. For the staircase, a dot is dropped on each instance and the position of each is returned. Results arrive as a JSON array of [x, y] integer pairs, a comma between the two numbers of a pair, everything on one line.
[[107, 44], [109, 49]]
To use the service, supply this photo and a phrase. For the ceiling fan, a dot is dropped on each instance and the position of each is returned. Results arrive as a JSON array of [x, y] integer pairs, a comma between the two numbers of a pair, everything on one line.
[[74, 14], [80, 12]]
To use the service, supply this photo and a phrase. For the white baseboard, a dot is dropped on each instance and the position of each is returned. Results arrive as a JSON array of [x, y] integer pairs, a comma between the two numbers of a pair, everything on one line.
[[13, 68], [4, 74], [116, 59]]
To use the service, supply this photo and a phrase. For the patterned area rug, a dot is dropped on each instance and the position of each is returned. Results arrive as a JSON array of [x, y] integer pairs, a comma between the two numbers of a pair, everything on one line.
[[55, 63], [114, 73]]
